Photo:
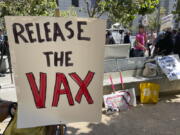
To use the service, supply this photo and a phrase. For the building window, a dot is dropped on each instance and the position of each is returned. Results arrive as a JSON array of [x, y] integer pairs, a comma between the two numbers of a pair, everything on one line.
[[75, 3]]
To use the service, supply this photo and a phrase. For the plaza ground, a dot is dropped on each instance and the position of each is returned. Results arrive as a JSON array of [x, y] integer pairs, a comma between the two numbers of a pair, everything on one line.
[[155, 119]]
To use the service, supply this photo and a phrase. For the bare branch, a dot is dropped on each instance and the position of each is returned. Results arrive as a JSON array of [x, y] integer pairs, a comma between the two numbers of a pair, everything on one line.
[[88, 9], [100, 14]]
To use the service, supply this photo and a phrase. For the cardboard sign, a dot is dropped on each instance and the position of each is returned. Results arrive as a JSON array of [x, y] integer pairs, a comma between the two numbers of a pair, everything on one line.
[[58, 64], [167, 21], [120, 100], [170, 66], [117, 101]]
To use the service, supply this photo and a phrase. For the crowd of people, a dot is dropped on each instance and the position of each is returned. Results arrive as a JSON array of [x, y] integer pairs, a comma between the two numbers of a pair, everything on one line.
[[165, 42]]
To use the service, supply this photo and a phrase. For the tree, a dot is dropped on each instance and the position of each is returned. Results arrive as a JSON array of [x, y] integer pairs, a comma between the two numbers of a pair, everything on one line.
[[177, 12], [70, 12], [96, 9], [153, 23], [123, 11], [27, 8], [146, 6]]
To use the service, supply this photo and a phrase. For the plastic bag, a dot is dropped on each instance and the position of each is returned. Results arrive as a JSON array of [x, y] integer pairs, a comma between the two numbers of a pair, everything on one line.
[[149, 92], [150, 70]]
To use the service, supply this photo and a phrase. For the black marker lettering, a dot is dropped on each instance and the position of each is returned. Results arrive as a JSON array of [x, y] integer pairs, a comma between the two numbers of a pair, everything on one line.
[[71, 35], [57, 32], [58, 59], [80, 31], [68, 59], [47, 54], [40, 39], [30, 32], [47, 31], [18, 34]]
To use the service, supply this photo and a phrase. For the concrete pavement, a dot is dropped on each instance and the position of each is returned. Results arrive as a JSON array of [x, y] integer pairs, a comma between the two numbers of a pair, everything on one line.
[[159, 119], [7, 90]]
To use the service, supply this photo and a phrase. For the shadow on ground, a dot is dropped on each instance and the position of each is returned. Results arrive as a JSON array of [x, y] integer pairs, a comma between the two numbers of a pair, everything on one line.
[[155, 119]]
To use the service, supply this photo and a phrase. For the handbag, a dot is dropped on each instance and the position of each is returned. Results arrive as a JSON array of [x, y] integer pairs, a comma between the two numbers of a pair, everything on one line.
[[150, 70]]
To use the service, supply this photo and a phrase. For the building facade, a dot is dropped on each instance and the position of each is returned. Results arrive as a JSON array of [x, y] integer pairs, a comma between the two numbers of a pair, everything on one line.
[[169, 5], [80, 7]]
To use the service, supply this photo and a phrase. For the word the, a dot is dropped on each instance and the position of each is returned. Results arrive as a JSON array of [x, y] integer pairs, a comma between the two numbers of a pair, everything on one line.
[[39, 94], [60, 58]]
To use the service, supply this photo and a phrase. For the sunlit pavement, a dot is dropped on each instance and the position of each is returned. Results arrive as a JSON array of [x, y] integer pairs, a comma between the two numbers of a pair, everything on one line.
[[158, 119]]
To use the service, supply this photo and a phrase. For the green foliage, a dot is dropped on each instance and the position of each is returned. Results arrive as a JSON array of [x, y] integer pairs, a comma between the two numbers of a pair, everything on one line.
[[153, 23], [162, 11], [28, 7], [146, 6], [70, 12], [123, 11], [177, 12]]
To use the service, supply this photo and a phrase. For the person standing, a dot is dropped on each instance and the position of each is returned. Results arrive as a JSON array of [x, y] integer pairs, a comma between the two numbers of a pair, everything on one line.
[[174, 33], [1, 40], [165, 45], [141, 39], [151, 42], [1, 49], [109, 38], [1, 36], [127, 38], [177, 43]]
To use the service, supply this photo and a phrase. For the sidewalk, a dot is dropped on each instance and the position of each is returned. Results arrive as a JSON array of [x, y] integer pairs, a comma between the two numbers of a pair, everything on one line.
[[157, 119], [7, 90]]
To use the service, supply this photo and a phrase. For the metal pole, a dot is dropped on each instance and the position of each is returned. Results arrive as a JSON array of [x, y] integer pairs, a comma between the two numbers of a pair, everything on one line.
[[60, 128], [57, 10], [158, 17]]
